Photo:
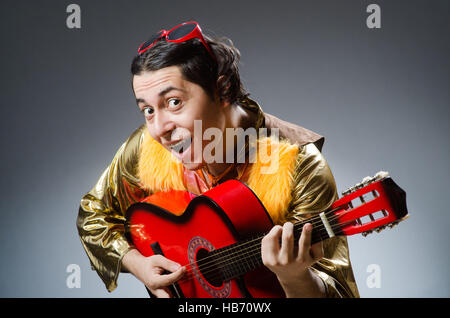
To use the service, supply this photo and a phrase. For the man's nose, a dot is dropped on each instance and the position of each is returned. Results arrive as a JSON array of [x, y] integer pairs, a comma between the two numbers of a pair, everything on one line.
[[163, 126]]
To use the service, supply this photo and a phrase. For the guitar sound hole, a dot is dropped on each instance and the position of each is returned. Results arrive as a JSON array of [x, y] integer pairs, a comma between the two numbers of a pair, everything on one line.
[[208, 268]]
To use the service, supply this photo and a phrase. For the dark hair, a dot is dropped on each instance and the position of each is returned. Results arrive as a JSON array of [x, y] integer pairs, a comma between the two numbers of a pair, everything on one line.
[[197, 65]]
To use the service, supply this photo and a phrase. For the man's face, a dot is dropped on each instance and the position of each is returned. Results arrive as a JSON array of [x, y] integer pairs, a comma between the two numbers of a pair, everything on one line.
[[170, 105]]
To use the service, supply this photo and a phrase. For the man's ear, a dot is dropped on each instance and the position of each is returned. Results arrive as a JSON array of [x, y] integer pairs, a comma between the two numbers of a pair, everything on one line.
[[222, 89]]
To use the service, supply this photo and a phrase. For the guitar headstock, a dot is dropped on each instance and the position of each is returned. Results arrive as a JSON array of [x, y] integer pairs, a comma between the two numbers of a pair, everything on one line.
[[373, 204]]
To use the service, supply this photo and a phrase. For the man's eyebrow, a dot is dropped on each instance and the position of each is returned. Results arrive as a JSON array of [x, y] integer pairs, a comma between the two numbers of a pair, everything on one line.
[[170, 88], [162, 93]]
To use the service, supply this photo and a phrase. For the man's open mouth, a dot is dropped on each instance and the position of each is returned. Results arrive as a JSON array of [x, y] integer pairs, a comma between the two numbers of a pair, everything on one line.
[[181, 146]]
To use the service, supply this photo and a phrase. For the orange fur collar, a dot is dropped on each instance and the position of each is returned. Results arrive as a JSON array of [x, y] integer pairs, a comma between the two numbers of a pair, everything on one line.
[[271, 180]]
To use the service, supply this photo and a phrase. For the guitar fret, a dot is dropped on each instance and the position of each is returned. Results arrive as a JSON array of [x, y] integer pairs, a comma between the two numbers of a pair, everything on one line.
[[244, 258]]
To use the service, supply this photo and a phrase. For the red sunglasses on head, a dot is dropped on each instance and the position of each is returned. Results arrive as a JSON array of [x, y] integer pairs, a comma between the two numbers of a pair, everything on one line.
[[180, 33]]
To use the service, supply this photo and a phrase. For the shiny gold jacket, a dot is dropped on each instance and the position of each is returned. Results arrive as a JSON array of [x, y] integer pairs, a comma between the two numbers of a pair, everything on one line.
[[302, 186]]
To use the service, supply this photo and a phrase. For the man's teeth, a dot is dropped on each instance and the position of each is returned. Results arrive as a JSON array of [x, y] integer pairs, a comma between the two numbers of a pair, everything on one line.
[[181, 145]]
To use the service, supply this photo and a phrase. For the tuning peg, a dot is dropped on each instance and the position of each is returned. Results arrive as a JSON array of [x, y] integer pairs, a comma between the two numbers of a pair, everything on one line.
[[391, 225], [381, 175], [367, 180], [348, 191]]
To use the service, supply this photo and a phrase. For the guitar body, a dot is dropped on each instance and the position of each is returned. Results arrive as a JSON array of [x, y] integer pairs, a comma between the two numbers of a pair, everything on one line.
[[185, 228], [217, 235]]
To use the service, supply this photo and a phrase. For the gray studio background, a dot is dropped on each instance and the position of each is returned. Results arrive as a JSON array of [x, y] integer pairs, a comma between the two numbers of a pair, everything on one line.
[[380, 96]]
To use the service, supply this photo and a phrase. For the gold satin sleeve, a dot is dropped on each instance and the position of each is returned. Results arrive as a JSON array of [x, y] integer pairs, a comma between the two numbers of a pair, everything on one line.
[[313, 191], [101, 217]]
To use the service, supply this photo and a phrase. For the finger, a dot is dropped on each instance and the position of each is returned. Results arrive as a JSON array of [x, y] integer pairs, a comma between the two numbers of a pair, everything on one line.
[[304, 243], [165, 263], [287, 243], [317, 251], [270, 246], [161, 293], [169, 279], [272, 239]]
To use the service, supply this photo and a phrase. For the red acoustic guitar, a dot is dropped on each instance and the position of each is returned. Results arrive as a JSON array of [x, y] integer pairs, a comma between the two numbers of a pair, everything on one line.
[[217, 235]]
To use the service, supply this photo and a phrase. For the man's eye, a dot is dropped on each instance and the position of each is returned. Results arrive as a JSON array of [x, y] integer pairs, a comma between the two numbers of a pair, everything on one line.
[[174, 103], [148, 111]]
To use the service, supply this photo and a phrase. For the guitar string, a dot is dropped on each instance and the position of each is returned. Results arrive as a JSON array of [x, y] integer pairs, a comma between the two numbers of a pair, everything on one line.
[[231, 261], [318, 220], [237, 256], [236, 260], [313, 220], [255, 253], [222, 260], [258, 239], [226, 260], [239, 247]]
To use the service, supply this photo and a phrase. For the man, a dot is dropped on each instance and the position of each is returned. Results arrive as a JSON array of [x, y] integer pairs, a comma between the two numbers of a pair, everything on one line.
[[181, 78]]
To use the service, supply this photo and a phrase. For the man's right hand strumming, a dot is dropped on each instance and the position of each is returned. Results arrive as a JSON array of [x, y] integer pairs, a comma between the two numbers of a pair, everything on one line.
[[150, 271]]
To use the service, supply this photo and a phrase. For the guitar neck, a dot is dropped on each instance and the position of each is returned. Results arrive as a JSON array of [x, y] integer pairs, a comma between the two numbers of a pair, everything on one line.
[[237, 259]]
